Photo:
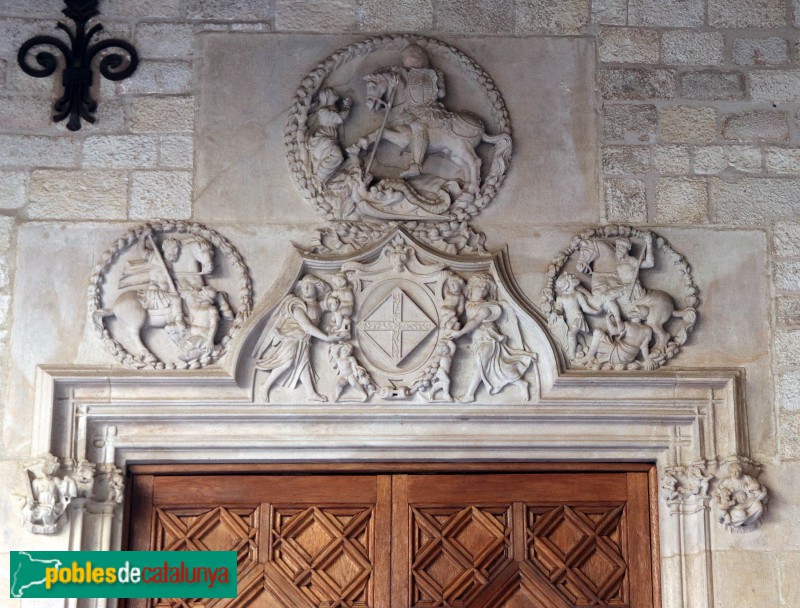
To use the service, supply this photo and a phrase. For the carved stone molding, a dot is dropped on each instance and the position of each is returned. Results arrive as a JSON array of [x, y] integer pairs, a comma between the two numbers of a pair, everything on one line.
[[53, 485], [155, 298], [604, 308]]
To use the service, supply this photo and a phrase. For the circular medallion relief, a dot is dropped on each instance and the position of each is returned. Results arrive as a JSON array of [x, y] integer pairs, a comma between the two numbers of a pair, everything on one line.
[[398, 128], [169, 295], [620, 298]]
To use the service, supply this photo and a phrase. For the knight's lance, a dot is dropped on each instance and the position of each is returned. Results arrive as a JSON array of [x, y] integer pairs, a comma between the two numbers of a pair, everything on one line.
[[636, 273], [157, 252], [383, 127]]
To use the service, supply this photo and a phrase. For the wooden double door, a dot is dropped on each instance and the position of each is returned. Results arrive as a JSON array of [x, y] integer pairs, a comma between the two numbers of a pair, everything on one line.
[[415, 539]]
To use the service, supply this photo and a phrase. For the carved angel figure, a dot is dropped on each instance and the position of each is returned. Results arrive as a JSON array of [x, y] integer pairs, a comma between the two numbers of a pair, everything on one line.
[[495, 363], [286, 353], [741, 499]]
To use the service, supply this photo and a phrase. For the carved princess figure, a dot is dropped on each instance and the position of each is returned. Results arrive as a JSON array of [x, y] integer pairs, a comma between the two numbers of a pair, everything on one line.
[[573, 301], [495, 363], [326, 154]]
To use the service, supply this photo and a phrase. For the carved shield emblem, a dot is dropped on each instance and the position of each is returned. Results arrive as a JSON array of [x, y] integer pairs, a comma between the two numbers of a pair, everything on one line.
[[422, 86]]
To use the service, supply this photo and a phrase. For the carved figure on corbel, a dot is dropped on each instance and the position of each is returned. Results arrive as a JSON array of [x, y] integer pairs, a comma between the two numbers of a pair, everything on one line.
[[286, 352], [602, 312], [48, 494], [741, 499]]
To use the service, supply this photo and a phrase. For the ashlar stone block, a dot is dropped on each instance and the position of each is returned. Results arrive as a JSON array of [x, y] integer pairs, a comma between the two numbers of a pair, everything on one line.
[[474, 16], [400, 16], [712, 160], [788, 390], [610, 12], [637, 83], [714, 85], [545, 17], [159, 77], [6, 232], [628, 45], [754, 200], [667, 13], [692, 48], [165, 40], [787, 275], [626, 200], [78, 195], [760, 51], [315, 15], [626, 159], [629, 123], [674, 159], [13, 189], [790, 445], [229, 10], [761, 125], [163, 114], [774, 85], [746, 13], [25, 151], [681, 200], [161, 194], [121, 151], [782, 160], [688, 124], [788, 311], [786, 239]]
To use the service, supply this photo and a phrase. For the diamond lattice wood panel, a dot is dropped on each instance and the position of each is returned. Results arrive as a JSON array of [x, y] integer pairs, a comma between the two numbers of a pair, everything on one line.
[[581, 549], [326, 553], [456, 552]]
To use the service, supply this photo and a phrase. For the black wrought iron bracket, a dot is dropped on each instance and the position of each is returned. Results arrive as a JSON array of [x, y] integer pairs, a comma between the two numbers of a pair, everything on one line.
[[116, 60]]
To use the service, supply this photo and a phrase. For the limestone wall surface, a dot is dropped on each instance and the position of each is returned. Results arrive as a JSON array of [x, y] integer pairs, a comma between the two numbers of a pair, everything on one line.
[[682, 116]]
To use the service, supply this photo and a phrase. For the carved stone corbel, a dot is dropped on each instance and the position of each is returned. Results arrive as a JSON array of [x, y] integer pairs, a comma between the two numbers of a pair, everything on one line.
[[49, 491], [732, 485], [739, 496], [53, 485]]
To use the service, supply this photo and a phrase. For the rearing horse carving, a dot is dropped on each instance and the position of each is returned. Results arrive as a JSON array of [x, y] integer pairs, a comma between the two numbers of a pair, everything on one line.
[[158, 286], [596, 257]]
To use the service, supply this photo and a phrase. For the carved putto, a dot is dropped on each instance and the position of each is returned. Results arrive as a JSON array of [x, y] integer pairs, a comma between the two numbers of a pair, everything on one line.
[[620, 298], [397, 323], [169, 295], [373, 136]]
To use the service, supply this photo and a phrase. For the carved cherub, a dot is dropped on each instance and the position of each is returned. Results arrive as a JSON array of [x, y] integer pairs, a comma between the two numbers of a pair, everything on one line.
[[452, 300], [341, 303], [348, 371]]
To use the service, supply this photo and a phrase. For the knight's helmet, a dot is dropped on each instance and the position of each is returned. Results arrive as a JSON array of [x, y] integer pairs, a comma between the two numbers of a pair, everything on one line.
[[415, 57]]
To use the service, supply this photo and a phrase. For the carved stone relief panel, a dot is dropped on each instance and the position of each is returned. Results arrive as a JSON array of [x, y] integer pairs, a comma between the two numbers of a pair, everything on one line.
[[620, 298], [399, 322], [372, 137], [169, 295]]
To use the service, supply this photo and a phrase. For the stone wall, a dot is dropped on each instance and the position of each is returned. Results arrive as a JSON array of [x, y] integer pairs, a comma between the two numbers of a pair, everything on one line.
[[698, 137]]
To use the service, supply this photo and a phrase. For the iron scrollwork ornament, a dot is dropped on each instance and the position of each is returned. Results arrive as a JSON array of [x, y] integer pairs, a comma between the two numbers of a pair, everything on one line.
[[118, 63]]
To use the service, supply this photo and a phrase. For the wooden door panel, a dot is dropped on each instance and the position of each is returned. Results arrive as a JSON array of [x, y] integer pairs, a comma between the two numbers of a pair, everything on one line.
[[497, 540], [302, 542]]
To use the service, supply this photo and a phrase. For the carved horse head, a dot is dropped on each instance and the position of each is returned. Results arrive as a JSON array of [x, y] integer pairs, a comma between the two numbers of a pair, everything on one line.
[[378, 87]]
